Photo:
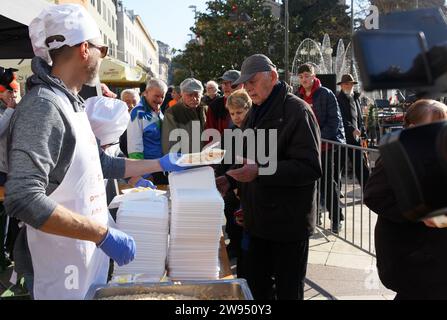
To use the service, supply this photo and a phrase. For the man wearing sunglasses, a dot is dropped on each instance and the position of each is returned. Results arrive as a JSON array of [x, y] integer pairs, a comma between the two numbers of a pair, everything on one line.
[[55, 180]]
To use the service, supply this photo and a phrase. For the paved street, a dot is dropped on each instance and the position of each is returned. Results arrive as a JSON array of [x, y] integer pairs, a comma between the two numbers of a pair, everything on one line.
[[339, 271]]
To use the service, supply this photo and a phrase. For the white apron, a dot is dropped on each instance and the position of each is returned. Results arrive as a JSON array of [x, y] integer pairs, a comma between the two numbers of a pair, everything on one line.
[[64, 268]]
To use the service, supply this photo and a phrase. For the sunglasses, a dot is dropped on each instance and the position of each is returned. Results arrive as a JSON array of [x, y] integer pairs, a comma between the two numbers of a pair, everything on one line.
[[103, 49]]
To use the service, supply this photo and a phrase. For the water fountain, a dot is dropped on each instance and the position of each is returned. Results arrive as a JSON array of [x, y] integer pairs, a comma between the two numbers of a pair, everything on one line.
[[320, 56], [339, 59], [309, 51], [327, 51]]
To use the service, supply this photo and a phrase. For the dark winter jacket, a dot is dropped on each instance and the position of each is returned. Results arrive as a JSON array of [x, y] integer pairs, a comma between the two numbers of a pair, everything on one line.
[[345, 108], [182, 117], [411, 257], [281, 207], [327, 111]]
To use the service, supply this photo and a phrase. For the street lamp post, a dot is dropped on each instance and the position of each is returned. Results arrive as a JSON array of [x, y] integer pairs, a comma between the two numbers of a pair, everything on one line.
[[352, 34], [286, 23], [352, 17], [194, 9]]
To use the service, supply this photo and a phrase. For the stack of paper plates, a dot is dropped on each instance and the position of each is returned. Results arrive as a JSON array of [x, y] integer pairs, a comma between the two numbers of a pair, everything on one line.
[[196, 219], [148, 223]]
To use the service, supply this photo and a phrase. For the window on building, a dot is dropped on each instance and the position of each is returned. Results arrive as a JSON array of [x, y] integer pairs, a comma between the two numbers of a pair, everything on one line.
[[99, 7], [93, 2], [109, 19], [104, 12], [105, 39]]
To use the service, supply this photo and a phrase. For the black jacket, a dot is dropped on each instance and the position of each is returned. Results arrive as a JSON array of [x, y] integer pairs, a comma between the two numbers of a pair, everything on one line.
[[281, 207], [345, 108], [411, 258]]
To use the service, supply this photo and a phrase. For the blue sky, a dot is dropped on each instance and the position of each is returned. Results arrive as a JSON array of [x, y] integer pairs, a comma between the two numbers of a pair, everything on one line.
[[167, 20]]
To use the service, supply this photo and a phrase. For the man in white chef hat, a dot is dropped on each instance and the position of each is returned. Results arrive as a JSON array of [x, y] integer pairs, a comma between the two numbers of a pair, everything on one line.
[[109, 119], [55, 183]]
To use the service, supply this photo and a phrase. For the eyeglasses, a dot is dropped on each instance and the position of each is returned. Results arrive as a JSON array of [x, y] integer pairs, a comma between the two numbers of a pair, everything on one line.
[[104, 49]]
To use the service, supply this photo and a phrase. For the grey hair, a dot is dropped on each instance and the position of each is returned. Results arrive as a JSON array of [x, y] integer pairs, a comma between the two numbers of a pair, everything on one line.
[[129, 91], [157, 83], [268, 73], [212, 83]]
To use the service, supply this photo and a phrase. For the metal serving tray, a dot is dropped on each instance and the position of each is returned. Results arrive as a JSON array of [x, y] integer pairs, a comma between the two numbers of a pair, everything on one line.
[[203, 290]]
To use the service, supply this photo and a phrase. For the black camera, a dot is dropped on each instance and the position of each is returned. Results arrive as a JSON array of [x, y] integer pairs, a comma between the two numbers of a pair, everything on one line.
[[410, 52]]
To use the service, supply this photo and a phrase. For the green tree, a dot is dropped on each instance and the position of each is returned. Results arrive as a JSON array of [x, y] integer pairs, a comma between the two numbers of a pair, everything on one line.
[[180, 72], [313, 18], [227, 33]]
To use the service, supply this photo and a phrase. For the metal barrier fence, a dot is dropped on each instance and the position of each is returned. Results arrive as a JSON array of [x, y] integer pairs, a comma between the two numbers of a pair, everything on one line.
[[340, 206]]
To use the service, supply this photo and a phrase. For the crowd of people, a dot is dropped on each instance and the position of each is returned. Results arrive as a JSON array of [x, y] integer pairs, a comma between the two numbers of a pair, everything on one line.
[[54, 172]]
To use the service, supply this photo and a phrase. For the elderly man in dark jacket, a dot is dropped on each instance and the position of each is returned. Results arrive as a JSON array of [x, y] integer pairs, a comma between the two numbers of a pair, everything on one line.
[[351, 112], [280, 207], [327, 111]]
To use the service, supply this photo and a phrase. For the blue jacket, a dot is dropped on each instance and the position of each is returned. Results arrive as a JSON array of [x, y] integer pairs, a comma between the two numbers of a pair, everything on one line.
[[328, 113], [144, 132]]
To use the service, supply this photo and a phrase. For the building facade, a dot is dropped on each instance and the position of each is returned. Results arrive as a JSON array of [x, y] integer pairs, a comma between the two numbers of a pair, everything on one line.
[[105, 14], [135, 45], [165, 58], [275, 5]]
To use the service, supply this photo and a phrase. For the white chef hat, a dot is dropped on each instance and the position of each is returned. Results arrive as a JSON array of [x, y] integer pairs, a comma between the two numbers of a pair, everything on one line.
[[71, 21], [108, 118]]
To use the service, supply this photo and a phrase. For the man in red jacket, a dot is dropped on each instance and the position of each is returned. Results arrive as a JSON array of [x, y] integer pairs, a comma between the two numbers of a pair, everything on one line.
[[217, 116], [326, 109]]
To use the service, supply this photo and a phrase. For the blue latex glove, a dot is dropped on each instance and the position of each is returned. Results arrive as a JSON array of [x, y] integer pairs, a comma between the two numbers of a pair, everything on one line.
[[118, 246], [145, 184], [167, 163], [147, 176]]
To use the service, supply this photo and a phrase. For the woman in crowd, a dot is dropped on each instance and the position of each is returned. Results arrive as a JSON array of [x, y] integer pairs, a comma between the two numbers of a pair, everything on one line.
[[238, 105]]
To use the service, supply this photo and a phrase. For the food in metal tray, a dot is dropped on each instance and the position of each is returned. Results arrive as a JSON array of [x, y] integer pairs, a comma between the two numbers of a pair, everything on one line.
[[151, 296], [234, 289]]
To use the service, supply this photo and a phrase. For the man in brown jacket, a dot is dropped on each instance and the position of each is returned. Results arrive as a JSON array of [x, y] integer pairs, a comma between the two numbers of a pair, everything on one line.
[[185, 121], [279, 208]]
